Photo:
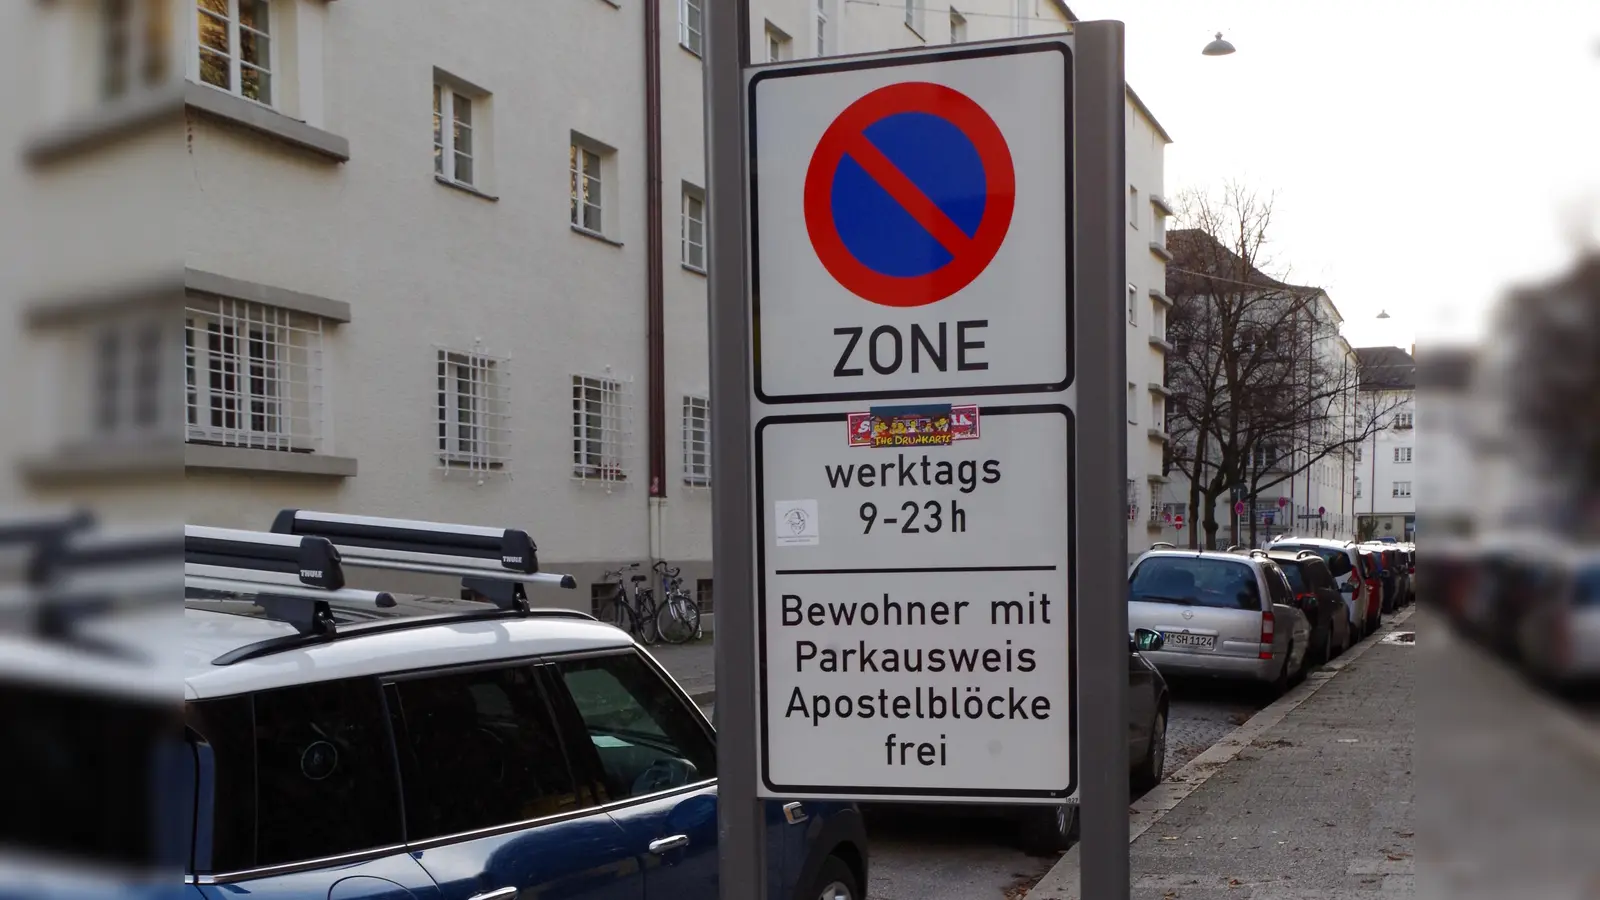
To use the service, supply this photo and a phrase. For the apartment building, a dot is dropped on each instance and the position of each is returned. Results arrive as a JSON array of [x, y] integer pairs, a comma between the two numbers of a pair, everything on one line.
[[1387, 480], [423, 260]]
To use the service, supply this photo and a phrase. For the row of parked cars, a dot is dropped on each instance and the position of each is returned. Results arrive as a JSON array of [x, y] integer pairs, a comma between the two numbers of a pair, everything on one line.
[[1268, 615], [1532, 598]]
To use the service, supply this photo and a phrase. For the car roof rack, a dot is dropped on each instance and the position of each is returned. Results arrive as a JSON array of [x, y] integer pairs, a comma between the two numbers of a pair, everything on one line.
[[1167, 544], [41, 536], [292, 579], [80, 572], [494, 563]]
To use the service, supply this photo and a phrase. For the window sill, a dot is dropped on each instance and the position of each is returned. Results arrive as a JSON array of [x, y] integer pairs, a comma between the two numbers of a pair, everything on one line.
[[913, 29], [1162, 252], [693, 481], [466, 188], [1161, 205], [691, 51], [1160, 344], [105, 124], [595, 235], [103, 460], [209, 457], [1161, 298], [1157, 434], [1161, 389], [695, 269], [263, 120]]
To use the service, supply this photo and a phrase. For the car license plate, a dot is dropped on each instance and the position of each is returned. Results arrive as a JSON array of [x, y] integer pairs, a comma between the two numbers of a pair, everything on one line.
[[1198, 641]]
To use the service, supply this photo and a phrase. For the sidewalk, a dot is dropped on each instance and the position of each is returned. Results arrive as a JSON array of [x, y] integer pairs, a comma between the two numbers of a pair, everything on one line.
[[694, 665], [1315, 803]]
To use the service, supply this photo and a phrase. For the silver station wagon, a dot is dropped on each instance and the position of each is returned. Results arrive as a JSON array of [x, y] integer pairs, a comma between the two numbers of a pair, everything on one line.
[[1220, 615]]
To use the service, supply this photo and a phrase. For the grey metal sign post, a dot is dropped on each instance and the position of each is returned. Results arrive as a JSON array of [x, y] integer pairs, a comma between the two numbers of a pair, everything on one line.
[[741, 828], [1103, 545]]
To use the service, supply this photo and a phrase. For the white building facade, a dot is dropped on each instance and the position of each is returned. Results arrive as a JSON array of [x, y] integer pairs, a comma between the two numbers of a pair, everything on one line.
[[422, 260], [1388, 466]]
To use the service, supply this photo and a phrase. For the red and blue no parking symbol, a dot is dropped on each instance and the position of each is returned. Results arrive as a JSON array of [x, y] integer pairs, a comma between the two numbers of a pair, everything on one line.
[[909, 194]]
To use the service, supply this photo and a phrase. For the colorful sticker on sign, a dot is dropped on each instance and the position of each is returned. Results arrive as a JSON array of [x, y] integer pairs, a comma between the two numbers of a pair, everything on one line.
[[928, 425]]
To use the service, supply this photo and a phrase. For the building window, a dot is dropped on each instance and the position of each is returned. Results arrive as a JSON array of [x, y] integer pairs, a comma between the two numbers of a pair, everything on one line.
[[131, 388], [691, 25], [453, 145], [1358, 453], [1402, 420], [600, 429], [915, 18], [1133, 305], [135, 49], [1133, 206], [703, 596], [822, 27], [958, 27], [235, 47], [1157, 407], [1402, 454], [1158, 320], [586, 195], [1357, 482], [474, 410], [1133, 404], [1402, 489], [693, 237], [253, 375], [778, 44], [696, 440]]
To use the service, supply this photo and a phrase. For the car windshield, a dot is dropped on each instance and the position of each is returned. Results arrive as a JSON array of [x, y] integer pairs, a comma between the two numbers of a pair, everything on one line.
[[1197, 581], [1338, 561]]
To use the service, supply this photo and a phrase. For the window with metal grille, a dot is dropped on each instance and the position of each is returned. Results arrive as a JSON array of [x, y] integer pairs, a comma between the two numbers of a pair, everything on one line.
[[133, 368], [703, 596], [474, 411], [135, 40], [1402, 454], [586, 206], [253, 375], [234, 46], [694, 228], [600, 429], [452, 146], [691, 25], [696, 440]]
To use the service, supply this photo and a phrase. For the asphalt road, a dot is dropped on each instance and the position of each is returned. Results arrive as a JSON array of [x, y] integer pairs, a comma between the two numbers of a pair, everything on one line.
[[934, 853]]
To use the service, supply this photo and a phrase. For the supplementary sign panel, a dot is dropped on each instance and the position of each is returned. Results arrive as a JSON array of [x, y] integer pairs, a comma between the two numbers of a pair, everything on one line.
[[924, 650], [911, 223]]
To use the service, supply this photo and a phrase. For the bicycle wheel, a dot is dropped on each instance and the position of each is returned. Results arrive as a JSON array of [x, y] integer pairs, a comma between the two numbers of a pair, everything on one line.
[[678, 618], [649, 626], [616, 611]]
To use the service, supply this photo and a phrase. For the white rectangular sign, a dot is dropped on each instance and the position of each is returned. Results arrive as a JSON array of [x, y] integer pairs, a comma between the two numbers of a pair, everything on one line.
[[911, 226], [925, 649], [912, 318]]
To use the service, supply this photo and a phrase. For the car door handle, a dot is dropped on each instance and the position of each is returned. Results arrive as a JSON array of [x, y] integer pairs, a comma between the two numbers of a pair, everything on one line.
[[676, 842], [505, 893]]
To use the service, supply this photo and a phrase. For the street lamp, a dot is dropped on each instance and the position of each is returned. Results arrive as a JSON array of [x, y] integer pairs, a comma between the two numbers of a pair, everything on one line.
[[1218, 47]]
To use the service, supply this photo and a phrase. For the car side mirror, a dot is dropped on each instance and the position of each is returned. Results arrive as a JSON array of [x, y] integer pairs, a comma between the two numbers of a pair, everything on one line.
[[1145, 640]]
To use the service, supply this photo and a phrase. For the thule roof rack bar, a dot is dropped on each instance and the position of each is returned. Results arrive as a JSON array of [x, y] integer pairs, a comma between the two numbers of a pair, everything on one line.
[[42, 534], [293, 579], [493, 563]]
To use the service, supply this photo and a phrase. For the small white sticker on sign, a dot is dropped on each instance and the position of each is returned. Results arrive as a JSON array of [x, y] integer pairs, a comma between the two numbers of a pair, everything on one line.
[[795, 523]]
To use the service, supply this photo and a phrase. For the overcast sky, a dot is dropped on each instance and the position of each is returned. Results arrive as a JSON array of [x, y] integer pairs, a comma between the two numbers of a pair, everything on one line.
[[1425, 153]]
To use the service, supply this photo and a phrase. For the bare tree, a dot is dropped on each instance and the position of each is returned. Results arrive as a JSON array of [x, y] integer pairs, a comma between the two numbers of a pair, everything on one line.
[[1263, 386]]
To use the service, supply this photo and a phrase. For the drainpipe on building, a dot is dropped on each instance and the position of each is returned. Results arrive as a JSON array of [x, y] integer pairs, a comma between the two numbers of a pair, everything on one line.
[[655, 313]]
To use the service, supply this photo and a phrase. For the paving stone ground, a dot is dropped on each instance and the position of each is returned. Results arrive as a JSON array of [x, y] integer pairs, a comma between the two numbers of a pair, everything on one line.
[[1320, 807]]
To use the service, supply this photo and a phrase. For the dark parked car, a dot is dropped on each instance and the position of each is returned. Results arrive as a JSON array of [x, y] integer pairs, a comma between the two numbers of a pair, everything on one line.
[[1319, 598]]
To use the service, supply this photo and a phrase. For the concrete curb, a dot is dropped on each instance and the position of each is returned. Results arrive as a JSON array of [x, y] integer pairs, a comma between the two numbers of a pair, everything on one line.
[[1061, 882]]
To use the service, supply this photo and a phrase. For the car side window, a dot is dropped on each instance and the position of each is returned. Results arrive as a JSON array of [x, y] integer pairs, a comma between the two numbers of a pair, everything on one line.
[[1339, 565], [300, 773], [1277, 585], [481, 749], [640, 735]]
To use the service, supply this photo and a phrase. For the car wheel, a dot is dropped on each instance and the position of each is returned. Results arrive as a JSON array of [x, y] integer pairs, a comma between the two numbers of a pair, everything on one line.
[[834, 881], [1279, 686], [1153, 767], [1327, 645], [1047, 830]]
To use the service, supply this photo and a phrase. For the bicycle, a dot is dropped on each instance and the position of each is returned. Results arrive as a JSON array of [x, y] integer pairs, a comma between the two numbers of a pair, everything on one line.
[[678, 610], [638, 616]]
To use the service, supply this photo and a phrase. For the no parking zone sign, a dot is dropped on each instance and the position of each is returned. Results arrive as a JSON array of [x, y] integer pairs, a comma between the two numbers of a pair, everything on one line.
[[913, 399]]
